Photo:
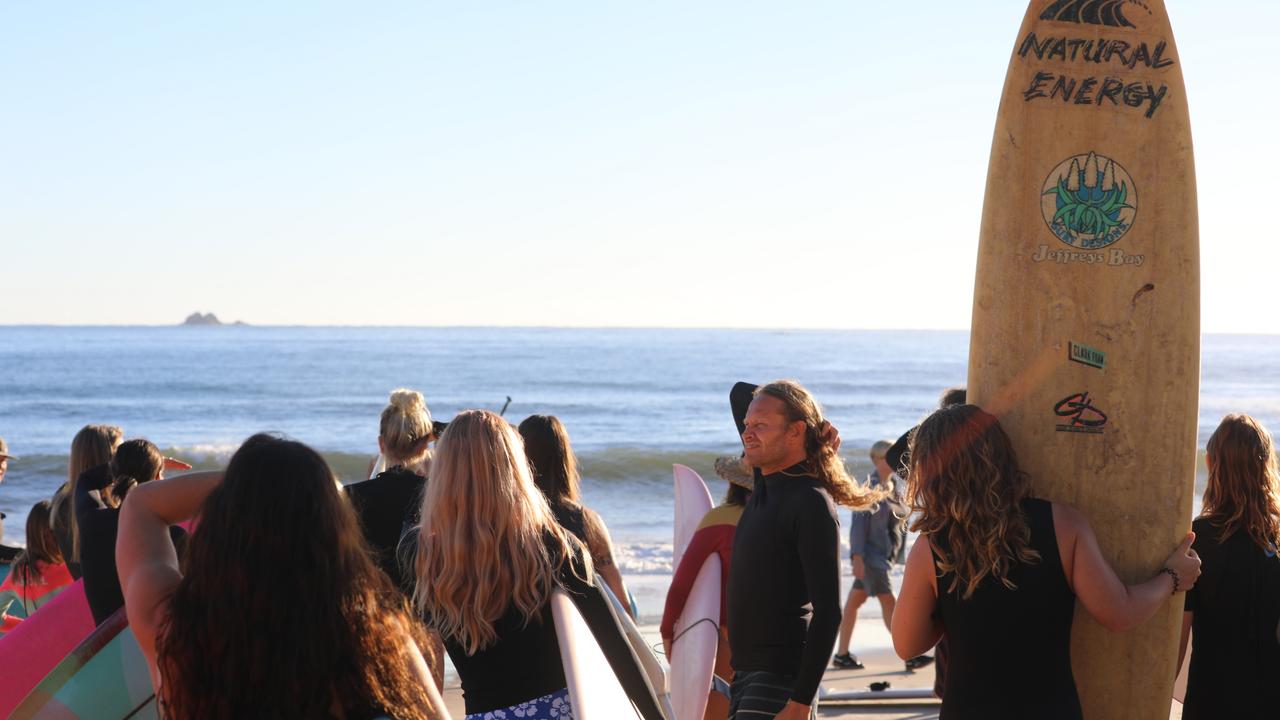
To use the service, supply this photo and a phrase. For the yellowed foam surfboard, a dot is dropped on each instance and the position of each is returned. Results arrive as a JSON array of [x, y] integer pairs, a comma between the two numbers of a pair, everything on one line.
[[1086, 313]]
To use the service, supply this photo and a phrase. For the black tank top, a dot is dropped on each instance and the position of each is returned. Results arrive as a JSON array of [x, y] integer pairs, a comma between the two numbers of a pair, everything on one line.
[[570, 517], [1010, 649]]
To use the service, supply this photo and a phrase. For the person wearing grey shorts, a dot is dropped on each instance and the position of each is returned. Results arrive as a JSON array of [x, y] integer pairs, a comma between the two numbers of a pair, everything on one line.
[[874, 540]]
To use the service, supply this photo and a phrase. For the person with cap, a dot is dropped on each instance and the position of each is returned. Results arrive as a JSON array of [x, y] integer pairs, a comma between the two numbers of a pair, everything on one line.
[[7, 552], [714, 535], [875, 537]]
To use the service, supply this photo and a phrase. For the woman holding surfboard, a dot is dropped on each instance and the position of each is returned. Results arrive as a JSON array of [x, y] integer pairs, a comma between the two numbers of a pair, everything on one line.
[[1235, 607], [278, 610], [487, 557], [1000, 572]]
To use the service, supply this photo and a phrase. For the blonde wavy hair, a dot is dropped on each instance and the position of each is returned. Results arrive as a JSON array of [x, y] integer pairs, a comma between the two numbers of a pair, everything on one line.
[[823, 460], [488, 540], [1243, 492], [966, 487], [94, 445]]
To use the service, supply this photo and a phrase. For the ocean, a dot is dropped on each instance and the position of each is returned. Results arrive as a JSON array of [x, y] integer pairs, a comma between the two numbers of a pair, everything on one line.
[[634, 400]]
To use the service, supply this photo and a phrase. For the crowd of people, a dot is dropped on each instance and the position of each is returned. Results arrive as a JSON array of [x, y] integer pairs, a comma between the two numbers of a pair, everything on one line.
[[267, 589]]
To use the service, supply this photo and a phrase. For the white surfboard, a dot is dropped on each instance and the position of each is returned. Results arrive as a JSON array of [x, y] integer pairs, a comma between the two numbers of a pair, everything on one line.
[[693, 656], [697, 630], [594, 690]]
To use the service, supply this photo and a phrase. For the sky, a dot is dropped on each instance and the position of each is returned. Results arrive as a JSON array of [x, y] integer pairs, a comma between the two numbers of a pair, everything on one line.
[[723, 164]]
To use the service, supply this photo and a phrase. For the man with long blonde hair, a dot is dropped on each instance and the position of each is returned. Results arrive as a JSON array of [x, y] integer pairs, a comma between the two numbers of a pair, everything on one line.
[[784, 603]]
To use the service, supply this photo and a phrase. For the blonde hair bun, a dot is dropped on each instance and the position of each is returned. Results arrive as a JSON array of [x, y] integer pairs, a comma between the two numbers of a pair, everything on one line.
[[405, 427], [407, 401]]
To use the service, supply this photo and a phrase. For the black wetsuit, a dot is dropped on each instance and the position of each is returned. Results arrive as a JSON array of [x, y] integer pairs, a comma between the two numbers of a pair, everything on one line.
[[388, 505], [98, 526], [1010, 649], [784, 583], [1235, 655], [524, 663]]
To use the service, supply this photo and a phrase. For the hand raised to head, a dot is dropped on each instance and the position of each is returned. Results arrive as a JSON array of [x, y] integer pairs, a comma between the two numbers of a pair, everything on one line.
[[830, 435]]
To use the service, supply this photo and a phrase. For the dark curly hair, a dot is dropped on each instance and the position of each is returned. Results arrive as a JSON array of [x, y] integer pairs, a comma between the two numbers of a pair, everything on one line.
[[281, 611], [965, 483]]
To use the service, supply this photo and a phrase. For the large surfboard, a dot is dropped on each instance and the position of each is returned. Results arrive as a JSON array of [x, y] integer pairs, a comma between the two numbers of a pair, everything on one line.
[[40, 642], [1086, 309], [105, 677], [697, 630]]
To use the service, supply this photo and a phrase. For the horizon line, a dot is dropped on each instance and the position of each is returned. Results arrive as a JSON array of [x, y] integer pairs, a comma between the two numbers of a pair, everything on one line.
[[318, 326]]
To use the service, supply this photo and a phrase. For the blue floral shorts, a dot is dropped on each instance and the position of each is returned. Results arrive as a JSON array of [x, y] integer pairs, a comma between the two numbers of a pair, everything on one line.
[[548, 707]]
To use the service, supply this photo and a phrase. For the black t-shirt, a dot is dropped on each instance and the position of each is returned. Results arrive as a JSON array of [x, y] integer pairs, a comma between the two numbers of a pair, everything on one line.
[[98, 526], [387, 506], [1010, 650], [524, 663], [784, 581], [1235, 655]]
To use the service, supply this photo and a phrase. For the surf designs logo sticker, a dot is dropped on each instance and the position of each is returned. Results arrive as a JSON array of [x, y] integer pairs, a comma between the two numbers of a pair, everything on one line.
[[1089, 201], [1110, 13], [1081, 415]]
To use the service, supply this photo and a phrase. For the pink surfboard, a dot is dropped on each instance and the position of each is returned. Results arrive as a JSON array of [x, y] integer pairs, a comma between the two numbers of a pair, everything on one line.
[[40, 642]]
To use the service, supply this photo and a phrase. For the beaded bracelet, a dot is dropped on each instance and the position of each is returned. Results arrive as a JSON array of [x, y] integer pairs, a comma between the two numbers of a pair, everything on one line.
[[1173, 574]]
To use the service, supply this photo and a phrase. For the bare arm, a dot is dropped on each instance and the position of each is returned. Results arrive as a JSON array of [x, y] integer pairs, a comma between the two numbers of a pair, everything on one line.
[[436, 709], [600, 546], [1118, 607], [145, 556], [915, 629]]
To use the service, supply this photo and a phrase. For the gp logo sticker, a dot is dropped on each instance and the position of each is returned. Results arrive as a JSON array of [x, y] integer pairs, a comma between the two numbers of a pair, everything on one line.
[[1089, 201], [1081, 415]]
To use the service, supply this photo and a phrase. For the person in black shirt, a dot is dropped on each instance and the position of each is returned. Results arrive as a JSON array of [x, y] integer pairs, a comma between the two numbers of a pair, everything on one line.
[[1001, 572], [94, 445], [388, 503], [99, 493], [487, 557], [1235, 607], [784, 586]]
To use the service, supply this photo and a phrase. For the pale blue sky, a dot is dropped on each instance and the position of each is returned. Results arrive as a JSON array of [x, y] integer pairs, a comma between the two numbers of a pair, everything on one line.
[[813, 164]]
